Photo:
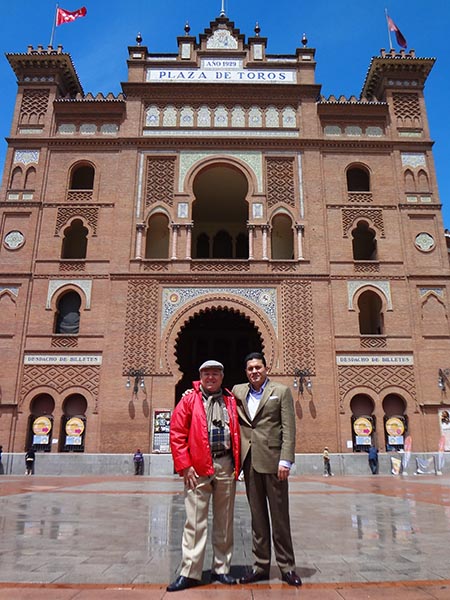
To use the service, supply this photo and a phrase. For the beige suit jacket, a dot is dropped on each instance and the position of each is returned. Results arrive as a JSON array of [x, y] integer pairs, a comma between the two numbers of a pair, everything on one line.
[[271, 434]]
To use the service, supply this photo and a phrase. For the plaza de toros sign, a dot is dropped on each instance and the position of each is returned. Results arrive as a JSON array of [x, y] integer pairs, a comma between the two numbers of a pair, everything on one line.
[[221, 71]]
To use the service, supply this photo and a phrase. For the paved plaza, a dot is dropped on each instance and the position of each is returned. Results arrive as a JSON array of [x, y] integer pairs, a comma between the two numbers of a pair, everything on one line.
[[91, 537]]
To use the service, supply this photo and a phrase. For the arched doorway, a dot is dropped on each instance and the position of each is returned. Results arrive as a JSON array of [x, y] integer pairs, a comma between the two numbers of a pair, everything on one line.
[[395, 422], [220, 334], [363, 422], [73, 424], [220, 214], [40, 423]]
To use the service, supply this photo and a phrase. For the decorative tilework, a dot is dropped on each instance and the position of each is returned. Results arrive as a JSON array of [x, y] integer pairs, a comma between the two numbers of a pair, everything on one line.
[[289, 117], [84, 284], [13, 290], [383, 286], [169, 116], [187, 116], [222, 38], [26, 157], [109, 129], [67, 129], [88, 128], [237, 116], [332, 130], [413, 159], [423, 291], [175, 298], [252, 159]]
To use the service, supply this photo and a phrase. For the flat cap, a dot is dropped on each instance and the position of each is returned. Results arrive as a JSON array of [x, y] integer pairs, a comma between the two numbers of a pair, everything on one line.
[[211, 364]]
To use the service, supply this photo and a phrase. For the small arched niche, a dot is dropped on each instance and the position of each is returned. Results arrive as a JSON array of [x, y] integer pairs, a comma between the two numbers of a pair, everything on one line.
[[157, 237], [74, 244], [282, 237], [67, 318], [82, 177], [364, 242], [358, 179], [370, 315]]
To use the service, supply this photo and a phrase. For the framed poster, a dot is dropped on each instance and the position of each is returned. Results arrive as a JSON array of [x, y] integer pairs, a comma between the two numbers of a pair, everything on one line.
[[161, 430]]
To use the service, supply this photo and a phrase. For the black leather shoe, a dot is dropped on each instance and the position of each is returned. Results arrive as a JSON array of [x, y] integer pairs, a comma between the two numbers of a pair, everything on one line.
[[291, 578], [183, 583], [223, 578], [254, 576]]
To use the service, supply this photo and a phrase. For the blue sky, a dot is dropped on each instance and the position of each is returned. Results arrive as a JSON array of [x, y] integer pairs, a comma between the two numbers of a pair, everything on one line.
[[345, 33]]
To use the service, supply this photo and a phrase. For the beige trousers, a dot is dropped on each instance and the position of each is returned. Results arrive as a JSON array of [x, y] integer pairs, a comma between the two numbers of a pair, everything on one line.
[[222, 487]]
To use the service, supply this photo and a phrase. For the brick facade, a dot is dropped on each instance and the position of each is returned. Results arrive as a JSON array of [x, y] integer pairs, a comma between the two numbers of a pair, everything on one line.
[[219, 205]]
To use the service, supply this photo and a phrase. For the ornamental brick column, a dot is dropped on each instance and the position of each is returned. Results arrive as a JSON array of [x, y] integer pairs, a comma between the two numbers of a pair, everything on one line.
[[265, 230], [140, 227], [300, 231], [189, 227], [250, 229], [175, 229]]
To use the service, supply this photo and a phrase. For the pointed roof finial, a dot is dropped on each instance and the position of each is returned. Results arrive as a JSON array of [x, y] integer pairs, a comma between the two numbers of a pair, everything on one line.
[[222, 10], [304, 40], [139, 39], [257, 29], [187, 28]]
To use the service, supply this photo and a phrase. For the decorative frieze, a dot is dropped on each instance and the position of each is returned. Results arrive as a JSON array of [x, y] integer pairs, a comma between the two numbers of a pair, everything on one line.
[[221, 116], [174, 298]]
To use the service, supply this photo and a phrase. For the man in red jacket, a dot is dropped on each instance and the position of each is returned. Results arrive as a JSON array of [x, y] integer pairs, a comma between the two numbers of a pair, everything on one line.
[[205, 444]]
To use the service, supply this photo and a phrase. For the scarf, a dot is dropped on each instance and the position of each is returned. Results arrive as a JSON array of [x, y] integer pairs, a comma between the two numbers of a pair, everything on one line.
[[214, 408]]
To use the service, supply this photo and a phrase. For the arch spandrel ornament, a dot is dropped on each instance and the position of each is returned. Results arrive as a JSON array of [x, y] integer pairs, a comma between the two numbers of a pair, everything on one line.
[[78, 285], [251, 162], [212, 302], [354, 286], [263, 299]]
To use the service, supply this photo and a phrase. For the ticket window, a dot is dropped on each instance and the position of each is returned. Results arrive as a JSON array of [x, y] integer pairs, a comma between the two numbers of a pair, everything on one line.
[[395, 430], [363, 431], [40, 431], [73, 432]]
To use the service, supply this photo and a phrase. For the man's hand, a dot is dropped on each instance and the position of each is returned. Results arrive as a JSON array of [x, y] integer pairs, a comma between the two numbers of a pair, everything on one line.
[[283, 472], [190, 478]]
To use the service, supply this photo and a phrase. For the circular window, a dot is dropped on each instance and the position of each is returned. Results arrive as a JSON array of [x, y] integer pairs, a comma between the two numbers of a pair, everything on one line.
[[424, 242], [14, 240]]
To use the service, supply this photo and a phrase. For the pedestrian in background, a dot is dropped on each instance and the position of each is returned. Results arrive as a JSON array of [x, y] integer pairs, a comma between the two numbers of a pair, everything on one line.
[[373, 459], [138, 460], [1, 464], [326, 463], [30, 458]]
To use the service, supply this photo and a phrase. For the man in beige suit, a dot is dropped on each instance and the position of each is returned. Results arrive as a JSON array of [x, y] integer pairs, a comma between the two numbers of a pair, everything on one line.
[[267, 421]]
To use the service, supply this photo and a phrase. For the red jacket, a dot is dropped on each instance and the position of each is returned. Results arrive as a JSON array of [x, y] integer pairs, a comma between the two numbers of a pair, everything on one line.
[[189, 439]]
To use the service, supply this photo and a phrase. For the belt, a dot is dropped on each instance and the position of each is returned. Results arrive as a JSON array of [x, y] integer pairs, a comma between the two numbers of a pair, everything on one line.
[[220, 454]]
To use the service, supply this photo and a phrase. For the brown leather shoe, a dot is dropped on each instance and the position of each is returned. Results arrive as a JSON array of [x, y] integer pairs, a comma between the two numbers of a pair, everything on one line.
[[254, 576], [291, 578]]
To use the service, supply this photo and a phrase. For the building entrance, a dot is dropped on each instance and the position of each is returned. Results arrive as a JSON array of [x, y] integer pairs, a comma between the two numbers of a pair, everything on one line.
[[220, 334]]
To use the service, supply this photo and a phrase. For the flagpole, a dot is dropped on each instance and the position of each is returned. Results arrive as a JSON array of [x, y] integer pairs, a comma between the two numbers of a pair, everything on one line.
[[53, 28], [389, 31]]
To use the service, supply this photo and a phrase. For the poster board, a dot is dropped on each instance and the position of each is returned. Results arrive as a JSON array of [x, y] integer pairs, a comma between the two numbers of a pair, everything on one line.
[[161, 431]]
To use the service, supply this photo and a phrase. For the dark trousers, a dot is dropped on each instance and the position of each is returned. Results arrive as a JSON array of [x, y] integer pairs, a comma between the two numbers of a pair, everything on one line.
[[373, 464], [139, 468], [268, 498]]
